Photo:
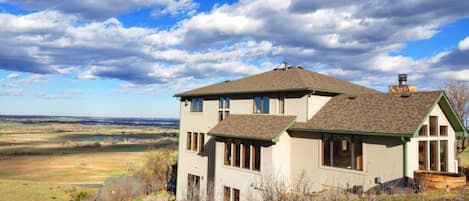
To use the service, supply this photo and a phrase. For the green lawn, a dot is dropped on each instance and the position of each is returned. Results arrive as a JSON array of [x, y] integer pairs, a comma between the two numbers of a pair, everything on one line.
[[465, 158], [11, 190]]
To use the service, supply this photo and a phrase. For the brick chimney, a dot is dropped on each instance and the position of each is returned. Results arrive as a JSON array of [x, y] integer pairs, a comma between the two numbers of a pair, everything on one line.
[[403, 86]]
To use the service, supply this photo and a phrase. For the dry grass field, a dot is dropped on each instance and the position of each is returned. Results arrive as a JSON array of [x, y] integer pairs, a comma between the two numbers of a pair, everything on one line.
[[44, 162]]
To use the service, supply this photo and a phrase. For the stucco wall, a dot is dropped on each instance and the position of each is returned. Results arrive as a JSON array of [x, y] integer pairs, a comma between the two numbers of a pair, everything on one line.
[[413, 150], [190, 162], [315, 103], [382, 156]]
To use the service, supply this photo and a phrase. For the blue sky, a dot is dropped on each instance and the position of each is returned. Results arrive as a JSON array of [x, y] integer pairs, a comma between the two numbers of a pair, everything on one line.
[[127, 58]]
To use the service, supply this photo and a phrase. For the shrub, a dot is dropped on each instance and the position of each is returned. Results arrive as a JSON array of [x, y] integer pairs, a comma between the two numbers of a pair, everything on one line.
[[155, 172], [122, 188]]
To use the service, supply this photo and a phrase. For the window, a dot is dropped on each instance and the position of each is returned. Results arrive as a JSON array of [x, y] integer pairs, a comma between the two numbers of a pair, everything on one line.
[[237, 155], [226, 193], [188, 141], [221, 103], [433, 125], [193, 187], [220, 116], [342, 152], [246, 156], [197, 105], [227, 153], [423, 155], [423, 130], [235, 194], [261, 105], [444, 130], [202, 142], [281, 105], [224, 106], [195, 139], [251, 155], [443, 155], [256, 157], [434, 155], [227, 102]]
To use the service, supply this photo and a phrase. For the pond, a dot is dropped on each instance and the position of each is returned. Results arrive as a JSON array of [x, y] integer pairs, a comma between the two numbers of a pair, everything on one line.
[[133, 137]]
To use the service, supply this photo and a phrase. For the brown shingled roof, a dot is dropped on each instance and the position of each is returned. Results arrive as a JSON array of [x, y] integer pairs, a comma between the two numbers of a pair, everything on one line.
[[292, 79], [373, 113], [260, 127]]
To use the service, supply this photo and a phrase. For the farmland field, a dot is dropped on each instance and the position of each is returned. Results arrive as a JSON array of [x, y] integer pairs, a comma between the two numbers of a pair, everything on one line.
[[51, 161]]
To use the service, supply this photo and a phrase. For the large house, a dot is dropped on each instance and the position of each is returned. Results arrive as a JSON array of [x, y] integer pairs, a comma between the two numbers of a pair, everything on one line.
[[290, 122]]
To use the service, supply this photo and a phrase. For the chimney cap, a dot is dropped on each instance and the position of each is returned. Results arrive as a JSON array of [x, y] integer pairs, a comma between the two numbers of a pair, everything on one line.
[[402, 79]]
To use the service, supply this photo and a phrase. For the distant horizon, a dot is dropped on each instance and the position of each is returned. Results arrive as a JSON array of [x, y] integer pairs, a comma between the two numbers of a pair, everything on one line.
[[85, 116]]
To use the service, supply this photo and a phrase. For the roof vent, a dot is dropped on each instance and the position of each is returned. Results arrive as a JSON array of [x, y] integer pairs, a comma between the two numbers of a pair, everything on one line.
[[226, 81], [352, 97], [300, 67]]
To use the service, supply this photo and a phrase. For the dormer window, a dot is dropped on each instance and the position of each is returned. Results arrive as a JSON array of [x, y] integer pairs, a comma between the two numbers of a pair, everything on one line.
[[261, 105]]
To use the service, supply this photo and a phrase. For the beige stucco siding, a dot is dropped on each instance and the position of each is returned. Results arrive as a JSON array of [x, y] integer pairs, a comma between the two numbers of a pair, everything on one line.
[[382, 156], [296, 106], [315, 103], [191, 162], [413, 150]]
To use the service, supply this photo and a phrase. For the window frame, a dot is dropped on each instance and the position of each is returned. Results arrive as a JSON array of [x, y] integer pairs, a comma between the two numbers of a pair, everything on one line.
[[263, 106], [351, 144], [189, 141], [197, 105]]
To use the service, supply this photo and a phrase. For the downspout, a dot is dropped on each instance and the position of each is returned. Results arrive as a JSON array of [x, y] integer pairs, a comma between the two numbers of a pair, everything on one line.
[[405, 156]]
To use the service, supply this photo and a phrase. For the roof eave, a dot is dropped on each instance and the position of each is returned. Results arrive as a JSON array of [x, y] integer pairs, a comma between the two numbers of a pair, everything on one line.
[[275, 139], [240, 137], [308, 89], [353, 132]]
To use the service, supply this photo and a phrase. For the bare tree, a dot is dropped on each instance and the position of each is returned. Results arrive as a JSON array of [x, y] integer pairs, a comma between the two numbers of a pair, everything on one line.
[[458, 93]]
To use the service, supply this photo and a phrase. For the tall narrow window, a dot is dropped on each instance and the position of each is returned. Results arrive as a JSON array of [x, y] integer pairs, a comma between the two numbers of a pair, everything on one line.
[[227, 153], [261, 105], [423, 130], [256, 157], [202, 142], [235, 194], [195, 144], [227, 102], [237, 154], [358, 162], [434, 155], [444, 130], [433, 125], [246, 156], [443, 155], [226, 193], [326, 150], [221, 103], [220, 116], [423, 155], [226, 114], [188, 141], [193, 187], [281, 105]]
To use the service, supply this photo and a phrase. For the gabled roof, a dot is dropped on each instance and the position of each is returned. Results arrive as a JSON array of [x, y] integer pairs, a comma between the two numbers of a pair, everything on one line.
[[291, 79], [379, 114], [257, 127]]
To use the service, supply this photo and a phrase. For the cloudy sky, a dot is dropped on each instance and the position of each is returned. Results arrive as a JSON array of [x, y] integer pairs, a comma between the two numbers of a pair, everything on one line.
[[129, 57]]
